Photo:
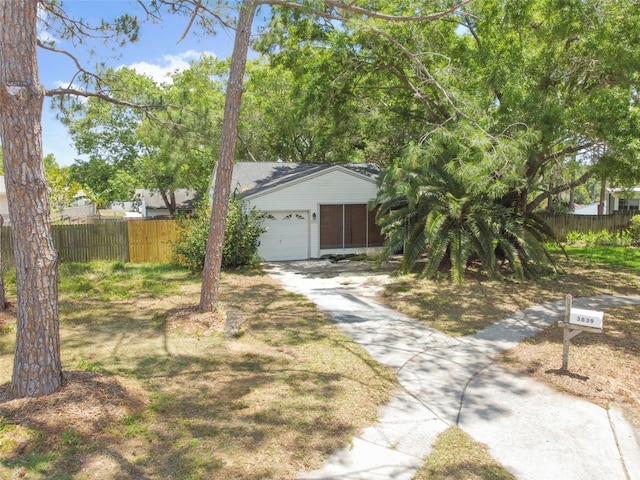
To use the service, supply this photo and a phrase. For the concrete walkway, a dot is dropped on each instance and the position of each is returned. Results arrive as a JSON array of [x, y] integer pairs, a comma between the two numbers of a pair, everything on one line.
[[534, 431]]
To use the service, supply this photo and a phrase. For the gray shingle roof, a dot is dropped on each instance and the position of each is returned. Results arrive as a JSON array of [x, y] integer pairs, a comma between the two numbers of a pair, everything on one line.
[[250, 178]]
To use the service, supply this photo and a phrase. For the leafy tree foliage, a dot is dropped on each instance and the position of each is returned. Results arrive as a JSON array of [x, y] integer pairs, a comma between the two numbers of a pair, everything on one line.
[[107, 134], [565, 70], [182, 141], [171, 148], [348, 95], [61, 188]]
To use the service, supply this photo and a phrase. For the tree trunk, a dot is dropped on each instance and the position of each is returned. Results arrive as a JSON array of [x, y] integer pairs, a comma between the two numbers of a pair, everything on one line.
[[37, 368], [603, 193], [169, 199], [3, 296], [224, 168]]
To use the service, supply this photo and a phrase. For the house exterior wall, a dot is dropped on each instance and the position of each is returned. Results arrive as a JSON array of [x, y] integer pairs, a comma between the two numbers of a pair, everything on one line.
[[632, 198], [329, 187], [156, 212], [590, 209], [79, 211], [4, 203], [4, 206]]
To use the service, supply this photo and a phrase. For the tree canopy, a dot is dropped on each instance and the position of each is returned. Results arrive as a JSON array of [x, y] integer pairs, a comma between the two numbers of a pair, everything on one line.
[[562, 71], [165, 150]]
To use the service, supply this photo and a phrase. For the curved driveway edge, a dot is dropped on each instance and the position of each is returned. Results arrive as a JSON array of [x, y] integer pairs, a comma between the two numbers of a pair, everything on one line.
[[533, 430]]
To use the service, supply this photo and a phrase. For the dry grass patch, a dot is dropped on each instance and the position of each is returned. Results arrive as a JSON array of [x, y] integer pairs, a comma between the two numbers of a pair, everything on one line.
[[456, 456], [465, 309], [603, 368], [163, 394]]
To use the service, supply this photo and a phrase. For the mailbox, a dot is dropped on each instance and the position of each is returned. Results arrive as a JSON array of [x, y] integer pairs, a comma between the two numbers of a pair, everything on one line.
[[586, 318]]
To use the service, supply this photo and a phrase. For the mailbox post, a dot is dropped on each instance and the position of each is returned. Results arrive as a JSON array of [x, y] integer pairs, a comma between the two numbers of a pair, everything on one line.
[[577, 320]]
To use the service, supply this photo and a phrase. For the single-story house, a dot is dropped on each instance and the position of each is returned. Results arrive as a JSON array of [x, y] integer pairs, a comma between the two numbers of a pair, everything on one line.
[[149, 204], [311, 210], [623, 199], [589, 209], [80, 207]]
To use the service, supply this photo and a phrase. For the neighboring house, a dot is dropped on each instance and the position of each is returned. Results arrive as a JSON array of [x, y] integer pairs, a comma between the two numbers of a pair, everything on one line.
[[311, 210], [4, 205], [150, 204], [623, 199], [81, 207], [590, 209]]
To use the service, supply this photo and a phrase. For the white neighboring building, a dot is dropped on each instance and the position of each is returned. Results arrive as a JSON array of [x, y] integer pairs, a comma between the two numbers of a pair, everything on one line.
[[4, 204], [590, 209], [149, 204], [311, 210], [623, 199]]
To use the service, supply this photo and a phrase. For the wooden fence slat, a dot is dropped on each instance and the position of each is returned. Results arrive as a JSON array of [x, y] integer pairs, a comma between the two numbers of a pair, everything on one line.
[[150, 240]]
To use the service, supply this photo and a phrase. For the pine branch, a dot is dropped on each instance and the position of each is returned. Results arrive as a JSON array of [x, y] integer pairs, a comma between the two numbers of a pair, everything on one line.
[[365, 12]]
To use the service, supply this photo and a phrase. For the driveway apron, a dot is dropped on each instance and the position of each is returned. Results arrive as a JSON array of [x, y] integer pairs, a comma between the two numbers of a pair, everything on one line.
[[534, 431]]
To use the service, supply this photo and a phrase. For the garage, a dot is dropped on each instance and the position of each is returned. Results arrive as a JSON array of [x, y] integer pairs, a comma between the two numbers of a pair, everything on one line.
[[311, 210], [287, 236]]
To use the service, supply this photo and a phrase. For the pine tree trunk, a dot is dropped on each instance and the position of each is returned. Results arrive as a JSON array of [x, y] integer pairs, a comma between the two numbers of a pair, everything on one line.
[[37, 368], [3, 296], [224, 168]]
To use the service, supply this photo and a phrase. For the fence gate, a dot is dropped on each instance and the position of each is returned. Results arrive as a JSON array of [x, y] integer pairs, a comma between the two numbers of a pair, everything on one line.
[[150, 240]]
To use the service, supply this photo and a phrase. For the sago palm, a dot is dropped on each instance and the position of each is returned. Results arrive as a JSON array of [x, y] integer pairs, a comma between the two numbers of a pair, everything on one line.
[[427, 209]]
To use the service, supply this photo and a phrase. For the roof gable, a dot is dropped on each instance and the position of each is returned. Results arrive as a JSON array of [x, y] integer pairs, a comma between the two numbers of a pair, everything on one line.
[[255, 178], [152, 199]]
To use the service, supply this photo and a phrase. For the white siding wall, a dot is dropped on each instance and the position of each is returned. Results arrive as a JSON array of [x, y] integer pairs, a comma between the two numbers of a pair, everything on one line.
[[332, 187], [4, 207]]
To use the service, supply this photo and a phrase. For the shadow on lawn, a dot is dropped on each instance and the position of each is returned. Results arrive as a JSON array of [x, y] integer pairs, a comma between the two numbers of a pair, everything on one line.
[[465, 309], [266, 405]]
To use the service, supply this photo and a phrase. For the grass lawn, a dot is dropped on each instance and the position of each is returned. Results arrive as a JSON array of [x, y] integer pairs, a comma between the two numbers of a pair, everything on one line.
[[153, 390], [456, 456], [602, 367]]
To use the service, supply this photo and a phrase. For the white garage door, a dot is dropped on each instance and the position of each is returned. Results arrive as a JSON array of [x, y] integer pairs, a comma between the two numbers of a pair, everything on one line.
[[287, 236]]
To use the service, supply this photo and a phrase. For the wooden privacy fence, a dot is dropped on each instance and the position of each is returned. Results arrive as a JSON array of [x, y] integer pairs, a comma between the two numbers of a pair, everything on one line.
[[99, 241], [141, 241], [135, 241], [562, 223], [150, 240]]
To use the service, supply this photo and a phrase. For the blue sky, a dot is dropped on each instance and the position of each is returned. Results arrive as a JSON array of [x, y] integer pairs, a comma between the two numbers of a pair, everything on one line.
[[156, 53]]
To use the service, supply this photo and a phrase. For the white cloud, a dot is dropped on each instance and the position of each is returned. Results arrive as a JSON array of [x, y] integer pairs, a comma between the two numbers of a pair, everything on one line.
[[160, 72], [74, 86], [45, 37], [61, 84]]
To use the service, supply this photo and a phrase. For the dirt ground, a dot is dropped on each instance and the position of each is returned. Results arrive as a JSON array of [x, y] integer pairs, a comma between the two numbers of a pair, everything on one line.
[[365, 278]]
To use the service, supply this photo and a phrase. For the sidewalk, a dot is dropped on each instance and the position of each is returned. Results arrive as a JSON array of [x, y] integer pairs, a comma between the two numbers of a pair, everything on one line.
[[534, 431]]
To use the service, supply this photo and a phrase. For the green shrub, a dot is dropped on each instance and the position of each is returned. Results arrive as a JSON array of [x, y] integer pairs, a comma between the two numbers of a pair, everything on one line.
[[573, 238], [603, 238], [634, 230], [191, 247], [241, 240], [242, 236]]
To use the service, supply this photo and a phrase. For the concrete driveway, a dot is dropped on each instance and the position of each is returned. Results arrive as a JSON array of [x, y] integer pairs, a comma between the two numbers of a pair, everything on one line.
[[534, 431]]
